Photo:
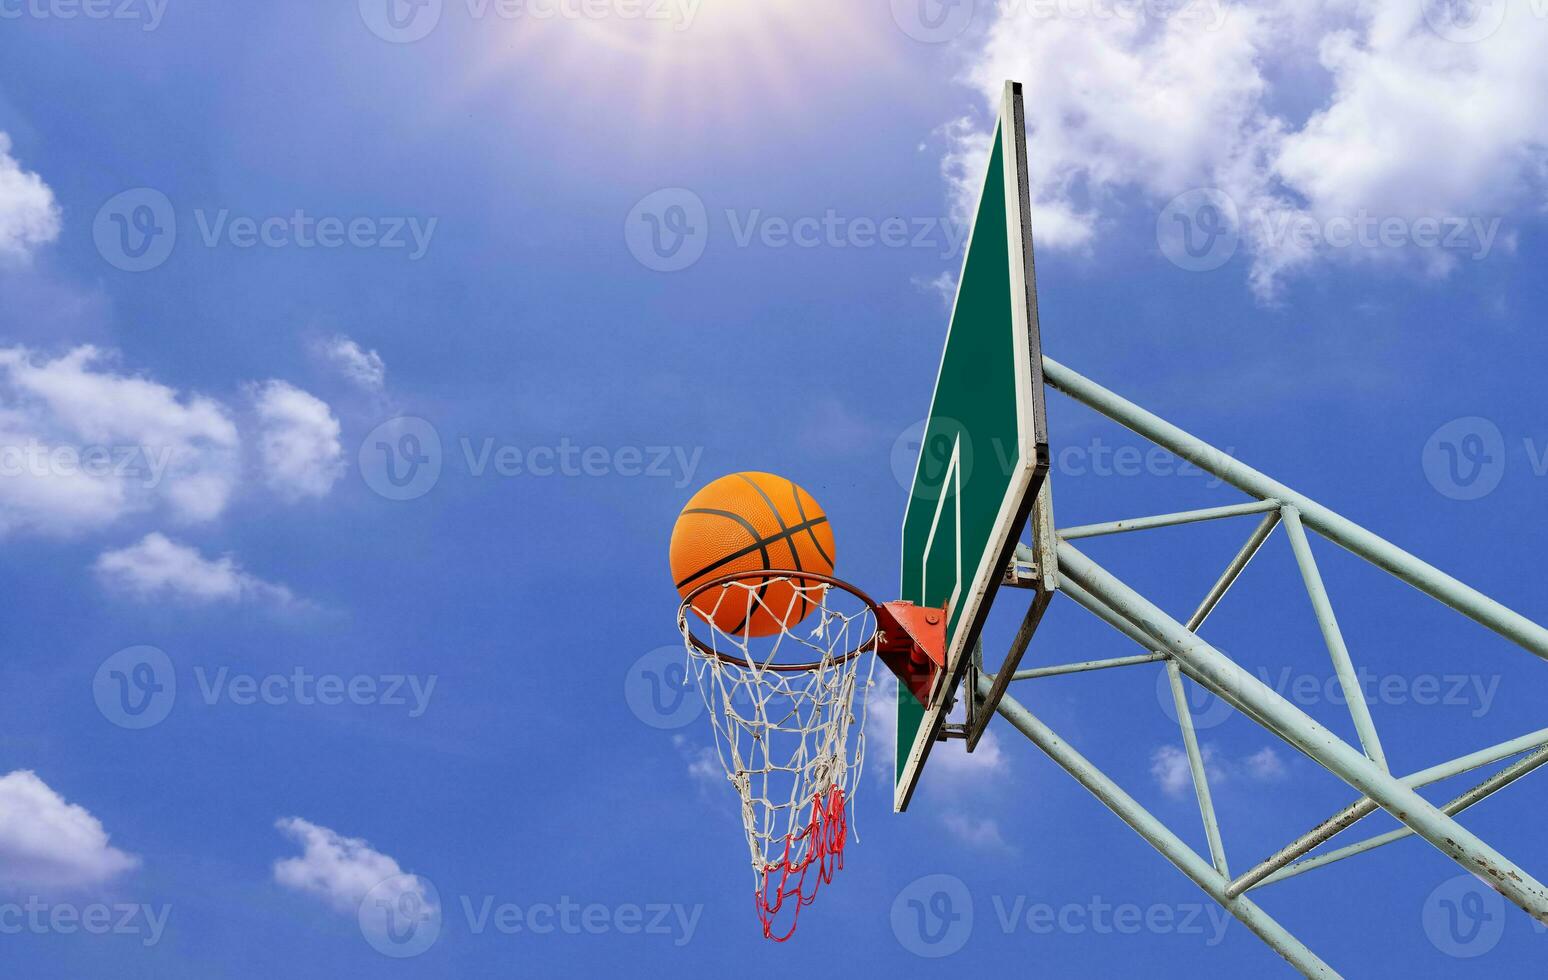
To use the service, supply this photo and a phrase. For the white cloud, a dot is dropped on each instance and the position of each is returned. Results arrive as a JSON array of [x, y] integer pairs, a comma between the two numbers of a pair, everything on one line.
[[1111, 103], [953, 758], [1265, 765], [157, 567], [342, 870], [943, 287], [82, 446], [949, 759], [704, 766], [983, 833], [298, 441], [29, 217], [1169, 766], [362, 367], [1417, 120], [48, 843], [1405, 124]]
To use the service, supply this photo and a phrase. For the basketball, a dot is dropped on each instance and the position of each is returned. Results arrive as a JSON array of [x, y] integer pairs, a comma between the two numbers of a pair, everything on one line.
[[743, 523]]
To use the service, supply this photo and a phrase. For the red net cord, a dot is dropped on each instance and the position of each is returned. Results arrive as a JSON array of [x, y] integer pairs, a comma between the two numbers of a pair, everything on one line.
[[824, 837]]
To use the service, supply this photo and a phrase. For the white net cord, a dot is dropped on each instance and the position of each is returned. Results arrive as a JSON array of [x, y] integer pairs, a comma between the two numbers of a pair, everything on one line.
[[790, 740]]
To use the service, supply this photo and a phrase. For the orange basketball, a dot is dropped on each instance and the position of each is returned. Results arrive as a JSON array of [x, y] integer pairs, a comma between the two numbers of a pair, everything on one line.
[[747, 522]]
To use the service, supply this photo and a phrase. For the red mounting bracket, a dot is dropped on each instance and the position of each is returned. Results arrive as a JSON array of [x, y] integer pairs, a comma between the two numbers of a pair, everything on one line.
[[911, 641]]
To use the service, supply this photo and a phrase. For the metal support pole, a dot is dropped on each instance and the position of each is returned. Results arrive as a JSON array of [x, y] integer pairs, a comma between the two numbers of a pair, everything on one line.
[[1365, 806], [1233, 571], [1167, 520], [1211, 600], [1302, 731], [1007, 673], [1162, 839], [1340, 530], [1180, 693], [1322, 606], [1196, 769], [1484, 789], [1082, 667], [1103, 612]]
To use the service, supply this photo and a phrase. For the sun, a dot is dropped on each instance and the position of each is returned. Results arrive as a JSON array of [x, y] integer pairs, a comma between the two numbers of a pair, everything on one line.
[[710, 59]]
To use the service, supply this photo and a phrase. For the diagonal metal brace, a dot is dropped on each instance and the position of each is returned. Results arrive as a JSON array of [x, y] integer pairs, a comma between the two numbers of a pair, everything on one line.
[[1220, 673], [1169, 844], [1482, 791]]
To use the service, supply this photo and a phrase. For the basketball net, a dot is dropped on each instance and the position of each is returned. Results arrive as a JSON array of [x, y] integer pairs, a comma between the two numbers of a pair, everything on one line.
[[789, 740]]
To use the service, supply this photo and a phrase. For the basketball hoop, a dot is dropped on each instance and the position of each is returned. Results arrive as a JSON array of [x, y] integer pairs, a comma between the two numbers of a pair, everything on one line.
[[782, 706]]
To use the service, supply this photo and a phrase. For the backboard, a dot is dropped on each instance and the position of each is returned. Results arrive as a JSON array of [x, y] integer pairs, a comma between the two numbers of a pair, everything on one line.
[[983, 455]]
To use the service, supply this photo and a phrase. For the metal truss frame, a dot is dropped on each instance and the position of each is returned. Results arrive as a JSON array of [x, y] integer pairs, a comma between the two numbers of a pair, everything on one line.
[[1183, 653]]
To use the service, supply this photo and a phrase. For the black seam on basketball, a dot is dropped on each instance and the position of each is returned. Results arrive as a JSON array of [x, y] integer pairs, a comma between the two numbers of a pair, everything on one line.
[[763, 589], [746, 619], [795, 556], [795, 491], [778, 519], [752, 532], [757, 545], [760, 545], [772, 509], [746, 524]]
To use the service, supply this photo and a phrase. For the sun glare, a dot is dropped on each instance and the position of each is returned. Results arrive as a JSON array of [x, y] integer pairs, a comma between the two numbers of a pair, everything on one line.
[[712, 59]]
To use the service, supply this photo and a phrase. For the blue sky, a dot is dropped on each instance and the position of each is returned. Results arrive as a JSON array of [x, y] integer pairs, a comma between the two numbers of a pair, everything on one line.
[[359, 487]]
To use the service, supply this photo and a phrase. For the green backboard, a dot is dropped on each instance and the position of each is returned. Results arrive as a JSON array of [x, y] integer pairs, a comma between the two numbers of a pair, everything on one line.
[[983, 455]]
